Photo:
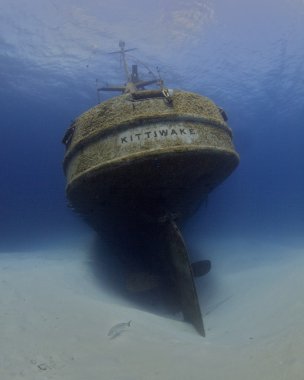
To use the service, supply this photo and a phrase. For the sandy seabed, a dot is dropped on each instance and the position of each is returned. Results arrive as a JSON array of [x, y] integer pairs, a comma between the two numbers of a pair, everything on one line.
[[55, 317]]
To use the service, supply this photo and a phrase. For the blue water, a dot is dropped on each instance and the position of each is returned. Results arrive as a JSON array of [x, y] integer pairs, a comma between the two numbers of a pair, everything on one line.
[[247, 56]]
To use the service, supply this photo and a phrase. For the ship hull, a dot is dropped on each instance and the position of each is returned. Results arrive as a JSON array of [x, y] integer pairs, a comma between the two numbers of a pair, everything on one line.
[[136, 168], [154, 160]]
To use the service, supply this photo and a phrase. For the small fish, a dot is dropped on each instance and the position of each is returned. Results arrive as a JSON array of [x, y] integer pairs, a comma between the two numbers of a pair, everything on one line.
[[118, 329]]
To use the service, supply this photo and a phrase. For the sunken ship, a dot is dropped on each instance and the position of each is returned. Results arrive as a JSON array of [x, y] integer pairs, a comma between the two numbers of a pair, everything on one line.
[[139, 164]]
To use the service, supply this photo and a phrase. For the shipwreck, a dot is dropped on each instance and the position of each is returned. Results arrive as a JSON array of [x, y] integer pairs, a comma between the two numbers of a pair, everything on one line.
[[138, 164]]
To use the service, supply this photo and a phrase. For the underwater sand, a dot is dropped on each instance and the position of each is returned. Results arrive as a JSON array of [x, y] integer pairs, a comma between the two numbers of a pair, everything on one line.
[[55, 318]]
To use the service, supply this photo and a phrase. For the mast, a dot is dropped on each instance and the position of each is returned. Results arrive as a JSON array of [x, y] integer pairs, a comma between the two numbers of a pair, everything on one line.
[[133, 82]]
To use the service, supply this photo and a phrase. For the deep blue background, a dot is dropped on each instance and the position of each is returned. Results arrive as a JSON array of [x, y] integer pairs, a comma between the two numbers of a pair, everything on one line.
[[247, 56]]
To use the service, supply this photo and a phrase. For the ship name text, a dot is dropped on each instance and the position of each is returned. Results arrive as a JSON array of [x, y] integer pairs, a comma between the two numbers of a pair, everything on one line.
[[157, 134]]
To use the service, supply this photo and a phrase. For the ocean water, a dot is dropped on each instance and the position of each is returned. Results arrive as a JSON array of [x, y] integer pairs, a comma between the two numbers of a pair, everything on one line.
[[246, 56]]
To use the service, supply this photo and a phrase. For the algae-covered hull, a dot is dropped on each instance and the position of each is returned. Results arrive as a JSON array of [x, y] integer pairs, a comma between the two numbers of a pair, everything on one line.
[[147, 156]]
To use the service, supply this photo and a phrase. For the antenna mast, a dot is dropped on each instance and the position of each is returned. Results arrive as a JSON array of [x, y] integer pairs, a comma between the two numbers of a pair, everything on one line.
[[123, 56]]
